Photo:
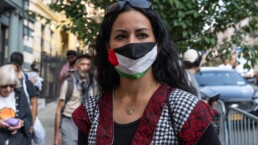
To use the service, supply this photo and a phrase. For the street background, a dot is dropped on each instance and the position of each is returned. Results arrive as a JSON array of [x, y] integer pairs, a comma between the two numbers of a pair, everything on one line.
[[47, 117]]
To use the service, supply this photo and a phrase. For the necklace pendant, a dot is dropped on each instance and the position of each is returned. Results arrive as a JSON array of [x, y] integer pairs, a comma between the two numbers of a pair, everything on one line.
[[130, 110]]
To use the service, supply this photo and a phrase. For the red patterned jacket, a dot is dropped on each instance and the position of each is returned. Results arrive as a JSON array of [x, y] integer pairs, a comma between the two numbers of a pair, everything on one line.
[[172, 116]]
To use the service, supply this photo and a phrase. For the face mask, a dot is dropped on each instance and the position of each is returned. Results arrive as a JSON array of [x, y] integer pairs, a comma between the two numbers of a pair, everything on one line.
[[134, 59]]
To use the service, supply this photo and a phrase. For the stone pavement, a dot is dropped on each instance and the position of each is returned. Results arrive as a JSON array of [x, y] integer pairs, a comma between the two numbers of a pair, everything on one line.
[[47, 117]]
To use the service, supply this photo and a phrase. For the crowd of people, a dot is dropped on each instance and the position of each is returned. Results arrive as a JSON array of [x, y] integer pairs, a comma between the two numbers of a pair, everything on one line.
[[135, 90]]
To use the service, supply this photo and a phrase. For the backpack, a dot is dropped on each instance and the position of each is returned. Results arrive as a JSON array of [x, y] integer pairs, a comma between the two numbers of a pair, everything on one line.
[[70, 87]]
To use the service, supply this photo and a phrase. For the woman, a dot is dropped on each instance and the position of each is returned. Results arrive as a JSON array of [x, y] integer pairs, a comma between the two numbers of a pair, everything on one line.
[[13, 106], [145, 96]]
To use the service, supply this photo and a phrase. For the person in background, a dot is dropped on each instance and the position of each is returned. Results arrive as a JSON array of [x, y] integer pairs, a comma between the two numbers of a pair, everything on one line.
[[69, 67], [145, 96], [192, 62], [238, 67], [66, 132], [39, 134], [17, 57], [34, 77], [15, 114], [225, 64]]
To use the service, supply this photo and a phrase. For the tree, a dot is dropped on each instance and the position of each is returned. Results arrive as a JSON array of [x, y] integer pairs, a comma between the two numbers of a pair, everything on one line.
[[191, 23]]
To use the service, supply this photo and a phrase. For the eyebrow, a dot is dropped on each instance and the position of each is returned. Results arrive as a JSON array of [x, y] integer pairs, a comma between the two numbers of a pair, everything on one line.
[[124, 31]]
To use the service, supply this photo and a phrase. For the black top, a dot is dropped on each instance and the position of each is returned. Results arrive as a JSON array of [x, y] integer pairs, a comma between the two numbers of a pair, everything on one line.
[[208, 137], [124, 133], [31, 89]]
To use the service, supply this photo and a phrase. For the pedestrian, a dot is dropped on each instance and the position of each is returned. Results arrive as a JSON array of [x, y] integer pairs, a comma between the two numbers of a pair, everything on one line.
[[69, 67], [66, 132], [15, 114], [31, 93], [192, 61], [145, 97], [225, 64], [17, 57], [34, 77]]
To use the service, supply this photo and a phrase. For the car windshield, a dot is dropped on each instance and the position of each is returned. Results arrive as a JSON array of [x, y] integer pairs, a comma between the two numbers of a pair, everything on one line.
[[219, 78]]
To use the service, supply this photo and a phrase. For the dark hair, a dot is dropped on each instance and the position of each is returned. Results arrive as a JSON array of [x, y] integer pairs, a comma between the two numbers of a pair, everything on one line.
[[167, 67], [34, 67], [71, 52], [17, 58]]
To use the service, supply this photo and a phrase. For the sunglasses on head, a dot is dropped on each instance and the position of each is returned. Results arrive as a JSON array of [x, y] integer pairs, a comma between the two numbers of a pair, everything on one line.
[[6, 86], [116, 6]]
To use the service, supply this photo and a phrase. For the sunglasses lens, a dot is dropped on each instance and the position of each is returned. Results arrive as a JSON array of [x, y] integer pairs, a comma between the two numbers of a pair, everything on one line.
[[145, 4], [5, 86], [115, 6]]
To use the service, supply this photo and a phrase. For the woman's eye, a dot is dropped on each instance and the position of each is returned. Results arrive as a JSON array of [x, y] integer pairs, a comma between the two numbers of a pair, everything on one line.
[[142, 35], [120, 37]]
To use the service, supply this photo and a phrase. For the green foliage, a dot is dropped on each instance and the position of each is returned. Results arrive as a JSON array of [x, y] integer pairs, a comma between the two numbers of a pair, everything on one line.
[[191, 23]]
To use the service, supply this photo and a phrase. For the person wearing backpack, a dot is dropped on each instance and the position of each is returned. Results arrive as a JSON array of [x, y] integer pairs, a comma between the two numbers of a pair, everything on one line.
[[66, 132]]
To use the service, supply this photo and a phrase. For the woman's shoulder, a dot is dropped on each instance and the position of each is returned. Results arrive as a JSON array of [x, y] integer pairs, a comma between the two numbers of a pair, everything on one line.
[[180, 96], [182, 102]]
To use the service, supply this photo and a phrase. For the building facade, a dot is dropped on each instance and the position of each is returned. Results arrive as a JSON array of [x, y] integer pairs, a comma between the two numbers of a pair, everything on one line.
[[12, 16], [48, 41], [49, 44], [32, 37]]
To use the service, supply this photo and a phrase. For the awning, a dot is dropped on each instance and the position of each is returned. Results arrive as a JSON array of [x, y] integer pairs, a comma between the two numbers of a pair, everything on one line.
[[7, 5]]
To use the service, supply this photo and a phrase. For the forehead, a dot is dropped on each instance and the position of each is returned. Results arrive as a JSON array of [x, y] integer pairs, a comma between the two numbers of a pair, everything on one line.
[[84, 60], [131, 19]]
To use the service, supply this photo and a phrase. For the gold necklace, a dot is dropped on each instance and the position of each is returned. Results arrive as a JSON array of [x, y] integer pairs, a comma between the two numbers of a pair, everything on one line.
[[130, 110]]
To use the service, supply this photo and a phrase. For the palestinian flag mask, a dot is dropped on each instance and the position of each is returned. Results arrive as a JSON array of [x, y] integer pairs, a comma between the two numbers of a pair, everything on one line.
[[134, 59]]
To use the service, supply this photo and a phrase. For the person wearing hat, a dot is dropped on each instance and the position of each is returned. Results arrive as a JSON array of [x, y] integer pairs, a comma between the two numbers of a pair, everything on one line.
[[192, 62], [71, 93]]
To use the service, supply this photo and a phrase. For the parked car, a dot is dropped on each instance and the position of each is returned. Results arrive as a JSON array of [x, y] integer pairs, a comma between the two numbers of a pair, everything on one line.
[[231, 86]]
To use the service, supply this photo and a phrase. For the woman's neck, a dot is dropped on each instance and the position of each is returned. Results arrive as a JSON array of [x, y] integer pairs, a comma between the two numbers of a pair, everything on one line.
[[134, 88]]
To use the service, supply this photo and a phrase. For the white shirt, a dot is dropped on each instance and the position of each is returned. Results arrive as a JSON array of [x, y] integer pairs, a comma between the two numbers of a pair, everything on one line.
[[225, 66], [8, 102]]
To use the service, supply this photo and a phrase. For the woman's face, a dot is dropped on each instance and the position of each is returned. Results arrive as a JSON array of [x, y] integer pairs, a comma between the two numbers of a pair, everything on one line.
[[6, 90], [131, 27]]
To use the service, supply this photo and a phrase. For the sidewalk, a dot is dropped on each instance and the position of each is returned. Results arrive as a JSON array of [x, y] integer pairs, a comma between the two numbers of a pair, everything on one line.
[[47, 117]]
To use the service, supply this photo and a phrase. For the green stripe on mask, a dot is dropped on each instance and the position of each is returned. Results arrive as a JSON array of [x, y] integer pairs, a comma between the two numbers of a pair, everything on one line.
[[132, 76]]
